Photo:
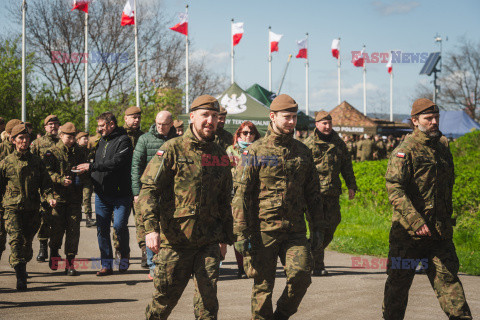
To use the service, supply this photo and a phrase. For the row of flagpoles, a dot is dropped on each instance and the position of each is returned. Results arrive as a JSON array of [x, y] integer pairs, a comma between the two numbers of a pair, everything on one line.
[[237, 31]]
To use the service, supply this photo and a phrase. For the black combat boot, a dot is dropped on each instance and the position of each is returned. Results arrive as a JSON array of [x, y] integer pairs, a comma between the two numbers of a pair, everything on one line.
[[54, 259], [70, 266], [320, 272], [43, 253], [144, 264], [21, 273], [279, 316], [90, 222]]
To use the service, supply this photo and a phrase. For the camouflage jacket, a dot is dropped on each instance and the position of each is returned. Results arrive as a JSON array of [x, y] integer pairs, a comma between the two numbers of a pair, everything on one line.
[[59, 162], [22, 178], [365, 149], [352, 150], [276, 183], [43, 144], [185, 193], [419, 181], [6, 148], [380, 150], [223, 138], [134, 135], [331, 158]]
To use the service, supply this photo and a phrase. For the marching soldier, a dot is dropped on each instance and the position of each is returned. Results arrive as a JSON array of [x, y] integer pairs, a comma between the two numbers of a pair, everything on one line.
[[222, 136]]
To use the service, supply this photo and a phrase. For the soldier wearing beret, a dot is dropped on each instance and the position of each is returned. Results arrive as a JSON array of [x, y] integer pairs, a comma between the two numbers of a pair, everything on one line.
[[82, 143], [61, 162], [331, 158], [187, 213], [275, 184], [222, 136], [39, 147], [178, 124], [420, 178], [23, 177]]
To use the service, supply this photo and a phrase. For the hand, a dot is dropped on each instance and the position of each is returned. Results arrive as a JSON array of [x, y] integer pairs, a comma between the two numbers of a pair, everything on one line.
[[152, 241], [135, 199], [316, 240], [67, 182], [52, 203], [83, 167], [424, 231], [223, 249], [351, 194]]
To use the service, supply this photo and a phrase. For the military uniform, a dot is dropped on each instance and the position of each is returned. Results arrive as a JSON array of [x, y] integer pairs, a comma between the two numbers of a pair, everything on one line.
[[420, 178], [331, 158], [275, 183], [352, 150], [183, 198], [365, 149], [380, 150], [223, 138]]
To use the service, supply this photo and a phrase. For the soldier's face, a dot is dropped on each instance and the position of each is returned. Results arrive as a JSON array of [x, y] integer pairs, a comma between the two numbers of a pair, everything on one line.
[[133, 120], [83, 141], [204, 123], [180, 131], [21, 142], [428, 123], [52, 127], [67, 139], [284, 121], [324, 126], [221, 121]]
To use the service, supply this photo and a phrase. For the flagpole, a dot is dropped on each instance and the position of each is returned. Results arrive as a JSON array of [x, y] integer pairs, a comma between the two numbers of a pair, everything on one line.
[[391, 96], [306, 77], [269, 62], [136, 52], [232, 55], [364, 86], [24, 109], [186, 67], [86, 73], [338, 71]]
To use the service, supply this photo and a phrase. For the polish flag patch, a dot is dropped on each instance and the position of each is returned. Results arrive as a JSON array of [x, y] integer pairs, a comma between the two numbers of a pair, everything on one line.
[[245, 152], [400, 155], [160, 153]]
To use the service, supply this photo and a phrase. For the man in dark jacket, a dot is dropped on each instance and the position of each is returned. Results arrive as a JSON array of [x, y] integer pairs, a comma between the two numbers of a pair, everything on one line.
[[146, 148], [111, 178]]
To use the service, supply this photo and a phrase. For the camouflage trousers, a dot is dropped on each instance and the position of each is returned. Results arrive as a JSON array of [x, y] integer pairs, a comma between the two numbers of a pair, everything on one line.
[[87, 199], [3, 233], [21, 227], [172, 273], [294, 249], [65, 220], [331, 207], [45, 223], [139, 226], [441, 263]]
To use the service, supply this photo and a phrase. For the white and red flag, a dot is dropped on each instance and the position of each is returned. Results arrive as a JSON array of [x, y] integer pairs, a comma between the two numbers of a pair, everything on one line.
[[336, 48], [182, 26], [389, 64], [274, 39], [80, 5], [128, 16], [237, 32], [302, 49], [359, 60]]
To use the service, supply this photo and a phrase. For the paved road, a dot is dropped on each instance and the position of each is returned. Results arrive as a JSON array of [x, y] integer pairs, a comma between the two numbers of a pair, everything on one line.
[[347, 294]]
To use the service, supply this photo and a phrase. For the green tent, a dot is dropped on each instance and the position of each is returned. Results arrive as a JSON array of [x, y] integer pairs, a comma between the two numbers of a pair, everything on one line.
[[241, 107], [261, 94], [304, 122]]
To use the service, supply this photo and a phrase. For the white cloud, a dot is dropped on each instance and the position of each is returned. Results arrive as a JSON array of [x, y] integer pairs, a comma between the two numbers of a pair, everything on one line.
[[396, 7], [217, 57]]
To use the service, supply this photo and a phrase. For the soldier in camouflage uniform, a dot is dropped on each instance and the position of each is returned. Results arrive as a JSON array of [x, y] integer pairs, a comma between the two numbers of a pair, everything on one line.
[[222, 136], [331, 158], [380, 148], [187, 213], [66, 217], [275, 184], [178, 124], [366, 149], [420, 178], [82, 143], [38, 148], [22, 178]]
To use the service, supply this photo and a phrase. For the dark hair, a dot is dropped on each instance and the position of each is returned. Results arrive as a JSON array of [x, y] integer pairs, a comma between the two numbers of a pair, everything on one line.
[[108, 117], [251, 126]]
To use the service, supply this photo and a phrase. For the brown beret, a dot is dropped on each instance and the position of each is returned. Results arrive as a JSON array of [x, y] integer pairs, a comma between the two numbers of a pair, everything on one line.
[[178, 124], [18, 129], [223, 111], [322, 115], [423, 105], [10, 124], [51, 117], [132, 110], [205, 102], [81, 134], [68, 128], [284, 102]]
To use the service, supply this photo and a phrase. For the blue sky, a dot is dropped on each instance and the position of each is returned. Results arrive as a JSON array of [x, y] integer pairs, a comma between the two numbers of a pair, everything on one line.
[[408, 26]]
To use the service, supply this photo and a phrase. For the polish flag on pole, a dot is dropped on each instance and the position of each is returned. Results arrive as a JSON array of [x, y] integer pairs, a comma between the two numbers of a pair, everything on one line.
[[128, 16], [80, 5], [274, 39], [389, 64], [237, 31], [302, 49], [182, 26], [359, 60], [336, 48]]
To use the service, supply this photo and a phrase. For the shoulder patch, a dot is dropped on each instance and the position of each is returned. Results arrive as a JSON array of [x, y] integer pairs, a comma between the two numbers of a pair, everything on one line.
[[160, 153], [48, 153], [245, 152], [400, 155]]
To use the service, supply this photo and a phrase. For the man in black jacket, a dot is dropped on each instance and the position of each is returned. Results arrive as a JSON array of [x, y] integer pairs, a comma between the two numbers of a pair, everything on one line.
[[112, 183]]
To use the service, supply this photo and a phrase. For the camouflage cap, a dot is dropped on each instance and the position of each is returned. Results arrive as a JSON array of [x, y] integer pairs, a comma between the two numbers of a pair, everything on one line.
[[284, 103], [81, 134], [51, 117], [132, 110], [322, 115], [205, 102], [223, 111], [423, 106], [68, 128], [10, 124], [178, 124], [18, 129]]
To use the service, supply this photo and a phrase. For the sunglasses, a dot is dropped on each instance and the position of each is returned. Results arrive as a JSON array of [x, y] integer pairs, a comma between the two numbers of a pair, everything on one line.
[[247, 133]]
